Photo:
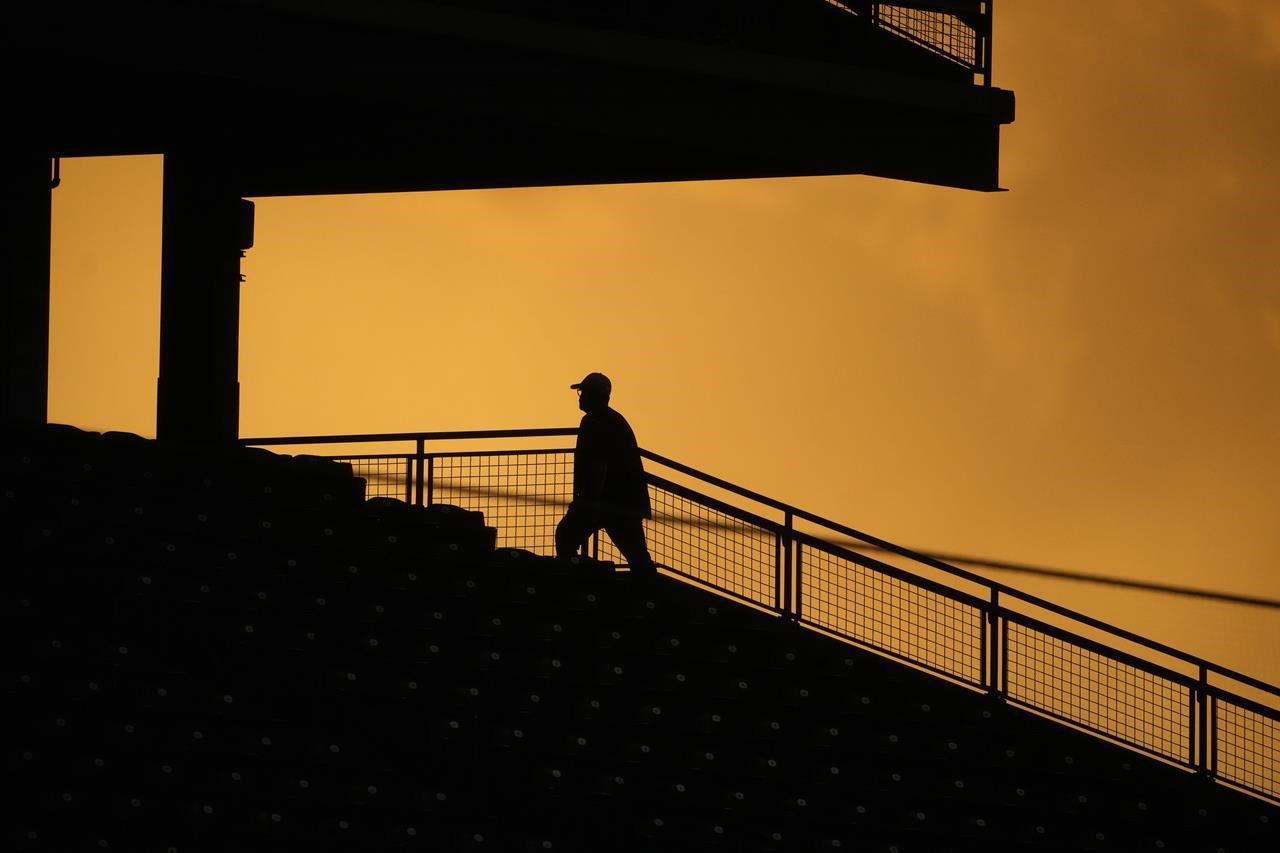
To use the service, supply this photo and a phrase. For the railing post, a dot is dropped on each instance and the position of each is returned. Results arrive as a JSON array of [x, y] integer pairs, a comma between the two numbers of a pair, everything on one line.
[[419, 461], [1213, 735], [993, 644], [778, 603], [799, 572], [988, 36], [787, 554], [431, 479], [1202, 700]]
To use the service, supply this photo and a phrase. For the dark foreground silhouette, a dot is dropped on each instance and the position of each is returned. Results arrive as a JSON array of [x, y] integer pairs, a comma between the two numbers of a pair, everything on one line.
[[609, 489], [233, 651]]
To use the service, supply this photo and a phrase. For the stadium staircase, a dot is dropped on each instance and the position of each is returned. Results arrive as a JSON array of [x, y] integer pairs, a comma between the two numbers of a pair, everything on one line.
[[240, 651]]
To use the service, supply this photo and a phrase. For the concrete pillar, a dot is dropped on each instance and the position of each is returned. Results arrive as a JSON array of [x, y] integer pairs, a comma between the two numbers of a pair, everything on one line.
[[24, 351], [204, 231]]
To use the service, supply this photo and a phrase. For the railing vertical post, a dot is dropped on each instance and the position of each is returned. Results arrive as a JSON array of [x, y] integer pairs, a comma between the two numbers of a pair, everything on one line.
[[408, 479], [419, 461], [778, 599], [992, 633], [1202, 700], [786, 546], [1004, 657], [431, 480], [1213, 734], [799, 572], [988, 36]]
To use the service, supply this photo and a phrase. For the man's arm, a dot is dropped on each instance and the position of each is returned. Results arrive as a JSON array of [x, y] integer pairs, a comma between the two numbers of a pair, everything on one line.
[[590, 468], [592, 479]]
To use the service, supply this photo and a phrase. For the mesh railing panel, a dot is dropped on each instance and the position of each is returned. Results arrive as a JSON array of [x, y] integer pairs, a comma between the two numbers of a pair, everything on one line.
[[709, 546], [940, 32], [385, 477], [524, 495], [890, 614], [1098, 692], [1248, 747]]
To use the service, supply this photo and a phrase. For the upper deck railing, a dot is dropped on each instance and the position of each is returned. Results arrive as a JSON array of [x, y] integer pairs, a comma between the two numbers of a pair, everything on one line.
[[957, 30], [990, 637]]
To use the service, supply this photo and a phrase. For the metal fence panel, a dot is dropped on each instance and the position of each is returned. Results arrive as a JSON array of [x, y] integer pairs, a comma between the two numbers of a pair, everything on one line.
[[708, 545], [893, 615], [1248, 746], [941, 32], [385, 476], [523, 494], [1098, 691]]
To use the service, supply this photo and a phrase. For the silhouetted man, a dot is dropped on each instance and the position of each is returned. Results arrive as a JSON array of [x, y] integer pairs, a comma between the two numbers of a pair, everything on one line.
[[608, 482]]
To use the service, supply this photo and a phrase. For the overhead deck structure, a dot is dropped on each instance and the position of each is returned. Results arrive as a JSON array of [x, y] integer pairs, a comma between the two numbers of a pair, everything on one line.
[[297, 97]]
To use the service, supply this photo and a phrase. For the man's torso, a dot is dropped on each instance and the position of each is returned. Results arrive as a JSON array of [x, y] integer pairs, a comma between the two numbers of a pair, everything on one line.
[[606, 437]]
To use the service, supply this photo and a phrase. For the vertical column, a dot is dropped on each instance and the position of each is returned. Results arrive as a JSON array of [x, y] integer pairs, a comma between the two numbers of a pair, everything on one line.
[[206, 227], [420, 468], [24, 350], [991, 637], [988, 36], [1201, 699], [790, 602]]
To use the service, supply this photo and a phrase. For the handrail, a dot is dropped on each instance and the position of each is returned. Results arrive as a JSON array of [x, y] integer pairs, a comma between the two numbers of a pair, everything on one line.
[[886, 569], [1237, 699], [932, 27], [720, 483], [934, 563], [817, 519], [446, 435], [991, 671], [758, 520], [1095, 646]]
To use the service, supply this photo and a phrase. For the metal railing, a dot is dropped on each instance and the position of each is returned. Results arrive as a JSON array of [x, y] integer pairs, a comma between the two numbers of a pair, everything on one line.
[[958, 30], [1019, 648]]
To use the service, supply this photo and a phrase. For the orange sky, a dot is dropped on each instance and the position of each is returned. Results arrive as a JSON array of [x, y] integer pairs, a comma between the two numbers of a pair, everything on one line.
[[1083, 372]]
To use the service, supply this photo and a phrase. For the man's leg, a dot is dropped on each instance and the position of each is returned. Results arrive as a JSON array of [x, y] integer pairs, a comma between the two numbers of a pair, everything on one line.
[[628, 537], [572, 532]]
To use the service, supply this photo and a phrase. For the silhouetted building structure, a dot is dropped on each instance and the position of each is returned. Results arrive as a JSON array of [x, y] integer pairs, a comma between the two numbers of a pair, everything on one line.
[[274, 97]]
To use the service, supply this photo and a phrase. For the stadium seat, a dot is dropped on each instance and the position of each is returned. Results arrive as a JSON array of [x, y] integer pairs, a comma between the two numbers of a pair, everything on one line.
[[481, 698]]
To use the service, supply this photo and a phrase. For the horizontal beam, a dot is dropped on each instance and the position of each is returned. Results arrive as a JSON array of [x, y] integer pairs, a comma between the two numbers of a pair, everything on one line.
[[386, 96], [651, 53]]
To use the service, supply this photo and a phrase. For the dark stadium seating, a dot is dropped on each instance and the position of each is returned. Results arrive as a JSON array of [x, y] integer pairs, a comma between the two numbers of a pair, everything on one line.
[[235, 651]]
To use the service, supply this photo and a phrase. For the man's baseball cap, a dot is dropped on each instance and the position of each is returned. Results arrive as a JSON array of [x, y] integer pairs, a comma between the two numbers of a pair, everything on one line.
[[594, 383]]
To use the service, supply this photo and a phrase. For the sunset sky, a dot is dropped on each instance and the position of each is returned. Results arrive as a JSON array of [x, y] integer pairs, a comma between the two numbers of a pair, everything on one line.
[[1083, 372]]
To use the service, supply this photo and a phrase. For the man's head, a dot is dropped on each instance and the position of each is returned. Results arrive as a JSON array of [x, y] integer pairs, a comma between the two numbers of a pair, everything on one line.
[[593, 392]]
